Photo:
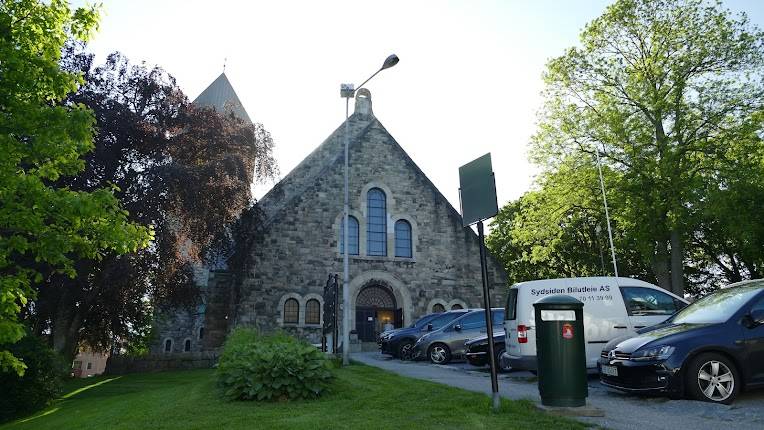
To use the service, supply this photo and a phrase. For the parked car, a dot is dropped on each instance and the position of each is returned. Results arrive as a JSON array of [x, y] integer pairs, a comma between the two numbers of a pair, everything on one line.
[[399, 343], [709, 350], [421, 322], [442, 345], [613, 307], [476, 349]]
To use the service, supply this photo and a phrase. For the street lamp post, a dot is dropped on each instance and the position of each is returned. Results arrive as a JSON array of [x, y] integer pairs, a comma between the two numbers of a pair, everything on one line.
[[348, 91], [607, 213]]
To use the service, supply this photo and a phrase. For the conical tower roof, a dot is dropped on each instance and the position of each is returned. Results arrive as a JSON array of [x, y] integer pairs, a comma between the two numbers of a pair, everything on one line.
[[218, 94]]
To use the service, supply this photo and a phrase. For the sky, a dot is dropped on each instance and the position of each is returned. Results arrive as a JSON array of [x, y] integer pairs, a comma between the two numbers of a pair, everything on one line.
[[468, 81]]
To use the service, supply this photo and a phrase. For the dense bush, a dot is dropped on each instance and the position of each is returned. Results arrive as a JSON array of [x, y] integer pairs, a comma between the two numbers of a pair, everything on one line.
[[274, 367], [41, 383]]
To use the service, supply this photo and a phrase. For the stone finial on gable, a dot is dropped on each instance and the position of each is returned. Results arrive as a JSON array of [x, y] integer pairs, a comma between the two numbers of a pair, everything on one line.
[[363, 102]]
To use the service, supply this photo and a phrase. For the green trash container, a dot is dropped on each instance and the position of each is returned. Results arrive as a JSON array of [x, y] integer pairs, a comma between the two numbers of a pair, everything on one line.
[[561, 351]]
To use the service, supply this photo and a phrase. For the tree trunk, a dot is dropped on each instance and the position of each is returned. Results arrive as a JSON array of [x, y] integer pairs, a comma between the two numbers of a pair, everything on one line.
[[677, 263], [65, 327], [660, 265]]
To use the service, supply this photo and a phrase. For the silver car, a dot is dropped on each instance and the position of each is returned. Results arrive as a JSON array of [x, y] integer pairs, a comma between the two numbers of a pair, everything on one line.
[[443, 345]]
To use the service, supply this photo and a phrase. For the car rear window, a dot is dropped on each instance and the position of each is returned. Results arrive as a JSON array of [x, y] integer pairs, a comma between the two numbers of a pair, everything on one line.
[[510, 310]]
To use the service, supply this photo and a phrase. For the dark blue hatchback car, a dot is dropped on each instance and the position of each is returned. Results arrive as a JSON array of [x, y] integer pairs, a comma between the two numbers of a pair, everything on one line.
[[708, 351]]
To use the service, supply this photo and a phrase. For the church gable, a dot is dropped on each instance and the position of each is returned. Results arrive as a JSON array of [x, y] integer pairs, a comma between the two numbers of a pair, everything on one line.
[[375, 158], [405, 236]]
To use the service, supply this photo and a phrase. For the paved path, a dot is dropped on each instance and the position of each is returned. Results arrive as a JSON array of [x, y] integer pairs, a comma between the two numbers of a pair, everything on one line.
[[622, 411]]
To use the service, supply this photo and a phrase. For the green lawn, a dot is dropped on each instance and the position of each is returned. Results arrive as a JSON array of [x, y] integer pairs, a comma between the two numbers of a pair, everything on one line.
[[362, 397]]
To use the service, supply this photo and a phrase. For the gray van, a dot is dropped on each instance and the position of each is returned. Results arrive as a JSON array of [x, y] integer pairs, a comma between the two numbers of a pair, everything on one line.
[[442, 345]]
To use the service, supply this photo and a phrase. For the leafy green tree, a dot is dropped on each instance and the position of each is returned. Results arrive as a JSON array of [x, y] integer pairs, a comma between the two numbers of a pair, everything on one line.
[[44, 228], [559, 229], [728, 245], [663, 90]]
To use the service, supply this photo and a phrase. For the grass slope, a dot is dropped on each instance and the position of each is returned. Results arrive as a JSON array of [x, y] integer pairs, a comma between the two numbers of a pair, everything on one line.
[[362, 397]]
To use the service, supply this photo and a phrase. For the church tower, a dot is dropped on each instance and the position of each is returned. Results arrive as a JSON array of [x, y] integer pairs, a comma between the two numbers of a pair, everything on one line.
[[221, 96]]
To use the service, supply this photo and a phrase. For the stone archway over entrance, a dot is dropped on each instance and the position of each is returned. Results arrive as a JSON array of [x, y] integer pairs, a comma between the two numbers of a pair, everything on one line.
[[375, 308], [390, 283]]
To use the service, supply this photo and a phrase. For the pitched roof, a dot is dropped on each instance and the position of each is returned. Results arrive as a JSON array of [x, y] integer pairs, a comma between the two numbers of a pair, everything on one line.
[[331, 153], [218, 94]]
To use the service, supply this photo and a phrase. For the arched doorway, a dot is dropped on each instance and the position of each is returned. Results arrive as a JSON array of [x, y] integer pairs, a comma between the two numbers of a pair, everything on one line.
[[375, 308]]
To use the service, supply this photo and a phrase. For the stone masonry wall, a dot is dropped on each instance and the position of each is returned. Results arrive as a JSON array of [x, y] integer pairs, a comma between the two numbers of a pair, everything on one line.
[[300, 245], [212, 314]]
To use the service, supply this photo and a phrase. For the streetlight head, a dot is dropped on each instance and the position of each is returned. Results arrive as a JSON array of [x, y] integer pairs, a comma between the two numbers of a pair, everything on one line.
[[390, 61]]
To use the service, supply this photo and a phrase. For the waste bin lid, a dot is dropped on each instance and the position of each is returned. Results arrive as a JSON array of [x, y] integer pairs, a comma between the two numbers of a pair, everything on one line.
[[559, 299]]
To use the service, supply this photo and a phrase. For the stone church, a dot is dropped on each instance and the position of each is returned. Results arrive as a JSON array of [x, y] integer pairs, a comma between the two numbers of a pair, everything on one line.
[[409, 254]]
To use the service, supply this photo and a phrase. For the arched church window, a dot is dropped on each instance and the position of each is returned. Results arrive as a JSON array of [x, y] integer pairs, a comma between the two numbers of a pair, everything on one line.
[[168, 345], [352, 235], [438, 308], [375, 296], [187, 345], [201, 333], [403, 239], [291, 311], [456, 307], [313, 312], [376, 222]]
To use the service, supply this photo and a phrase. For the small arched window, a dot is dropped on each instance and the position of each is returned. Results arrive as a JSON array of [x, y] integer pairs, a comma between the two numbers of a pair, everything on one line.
[[438, 308], [403, 239], [352, 235], [376, 223], [291, 311], [201, 333], [456, 307], [313, 312], [168, 345], [187, 345]]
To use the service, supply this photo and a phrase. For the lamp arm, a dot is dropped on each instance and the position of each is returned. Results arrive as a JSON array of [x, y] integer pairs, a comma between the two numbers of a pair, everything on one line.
[[364, 82]]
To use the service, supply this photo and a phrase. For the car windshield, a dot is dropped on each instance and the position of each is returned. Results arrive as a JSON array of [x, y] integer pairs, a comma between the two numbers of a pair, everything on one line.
[[717, 307], [445, 319], [421, 322]]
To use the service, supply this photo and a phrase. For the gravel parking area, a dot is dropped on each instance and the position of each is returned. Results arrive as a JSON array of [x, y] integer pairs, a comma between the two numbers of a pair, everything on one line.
[[622, 411]]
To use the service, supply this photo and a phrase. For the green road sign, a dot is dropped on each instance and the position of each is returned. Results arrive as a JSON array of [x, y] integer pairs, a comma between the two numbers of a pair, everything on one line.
[[477, 191]]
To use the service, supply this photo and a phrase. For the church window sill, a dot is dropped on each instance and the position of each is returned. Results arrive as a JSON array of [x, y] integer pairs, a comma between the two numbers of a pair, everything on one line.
[[375, 258]]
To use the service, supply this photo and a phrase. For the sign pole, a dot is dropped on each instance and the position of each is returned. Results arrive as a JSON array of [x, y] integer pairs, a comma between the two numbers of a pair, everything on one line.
[[477, 195], [488, 319]]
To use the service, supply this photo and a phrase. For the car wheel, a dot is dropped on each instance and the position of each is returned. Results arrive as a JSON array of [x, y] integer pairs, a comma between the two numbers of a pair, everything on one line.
[[499, 367], [404, 350], [439, 353], [712, 378]]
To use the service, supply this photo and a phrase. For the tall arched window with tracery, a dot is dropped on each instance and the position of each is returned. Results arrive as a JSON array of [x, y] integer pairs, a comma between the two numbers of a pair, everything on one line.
[[376, 223], [291, 311], [352, 235], [403, 239]]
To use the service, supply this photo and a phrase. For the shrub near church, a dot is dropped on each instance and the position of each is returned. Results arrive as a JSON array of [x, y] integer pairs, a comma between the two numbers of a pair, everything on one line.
[[274, 367]]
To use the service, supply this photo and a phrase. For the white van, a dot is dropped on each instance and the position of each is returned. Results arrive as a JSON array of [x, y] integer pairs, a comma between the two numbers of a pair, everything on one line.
[[613, 307]]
